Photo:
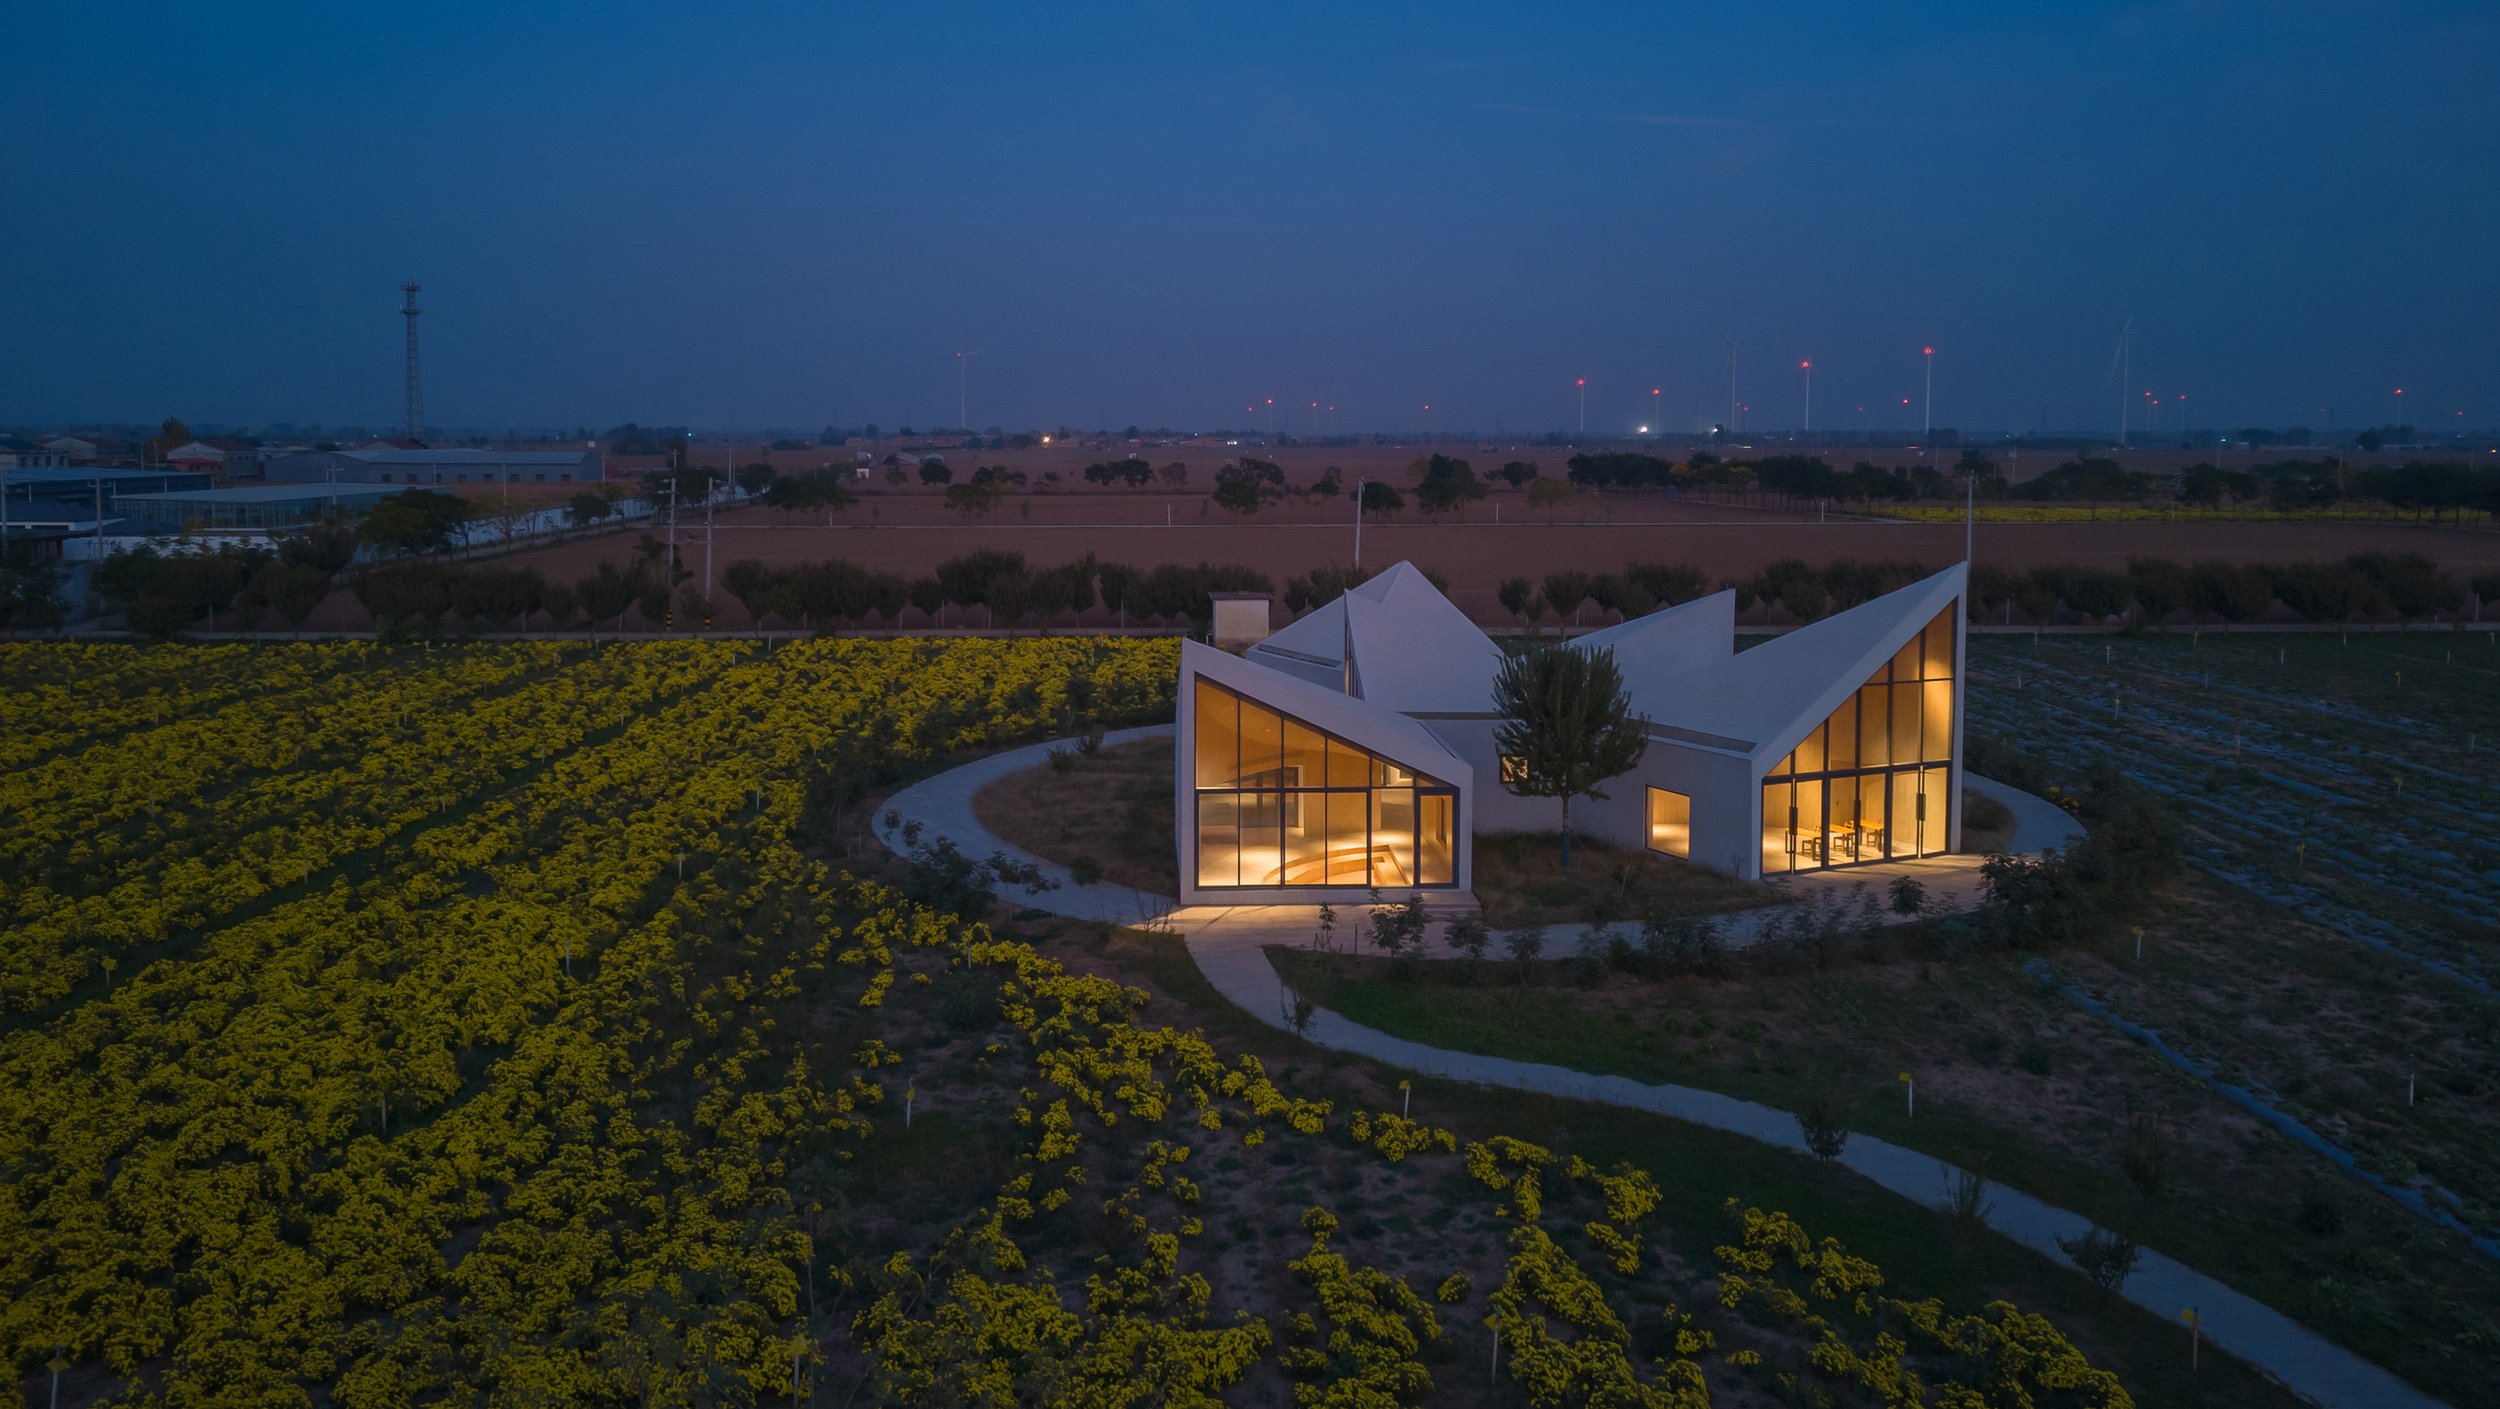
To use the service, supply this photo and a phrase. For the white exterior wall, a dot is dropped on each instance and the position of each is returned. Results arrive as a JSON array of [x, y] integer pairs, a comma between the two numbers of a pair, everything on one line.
[[1726, 826]]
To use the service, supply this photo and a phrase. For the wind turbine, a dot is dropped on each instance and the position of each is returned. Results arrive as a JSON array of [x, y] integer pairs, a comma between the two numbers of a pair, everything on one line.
[[1732, 345], [2121, 367], [963, 417]]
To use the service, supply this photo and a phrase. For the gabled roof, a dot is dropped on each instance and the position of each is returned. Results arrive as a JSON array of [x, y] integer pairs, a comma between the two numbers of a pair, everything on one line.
[[1693, 632], [1762, 701], [1413, 650], [1366, 724]]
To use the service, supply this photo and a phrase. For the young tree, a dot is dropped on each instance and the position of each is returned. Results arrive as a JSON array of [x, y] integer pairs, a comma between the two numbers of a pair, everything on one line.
[[2105, 1256], [1516, 593], [1546, 494], [1249, 486], [1568, 723], [1823, 1124], [1524, 945], [416, 521], [30, 591]]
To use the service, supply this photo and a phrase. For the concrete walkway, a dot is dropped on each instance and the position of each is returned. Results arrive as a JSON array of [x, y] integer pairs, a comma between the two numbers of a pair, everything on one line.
[[942, 806], [1230, 943]]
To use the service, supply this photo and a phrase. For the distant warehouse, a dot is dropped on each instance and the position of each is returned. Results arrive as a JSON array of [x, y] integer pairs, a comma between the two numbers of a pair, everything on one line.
[[254, 506], [387, 464]]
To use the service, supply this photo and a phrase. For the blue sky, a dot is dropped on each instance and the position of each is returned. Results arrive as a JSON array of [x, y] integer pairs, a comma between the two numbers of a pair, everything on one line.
[[783, 215]]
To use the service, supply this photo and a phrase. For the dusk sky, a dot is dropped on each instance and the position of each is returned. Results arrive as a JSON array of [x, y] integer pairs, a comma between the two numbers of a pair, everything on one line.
[[750, 216]]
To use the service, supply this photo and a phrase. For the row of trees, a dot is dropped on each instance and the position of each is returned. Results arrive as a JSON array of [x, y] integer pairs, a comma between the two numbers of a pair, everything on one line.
[[2150, 592], [1008, 590]]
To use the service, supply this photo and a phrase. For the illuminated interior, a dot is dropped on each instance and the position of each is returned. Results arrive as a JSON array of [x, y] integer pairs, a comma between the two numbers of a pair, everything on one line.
[[1280, 803], [1871, 783], [1670, 822]]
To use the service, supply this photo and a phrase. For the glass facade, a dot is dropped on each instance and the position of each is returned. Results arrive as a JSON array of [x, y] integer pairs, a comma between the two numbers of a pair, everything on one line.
[[1871, 783], [1280, 803]]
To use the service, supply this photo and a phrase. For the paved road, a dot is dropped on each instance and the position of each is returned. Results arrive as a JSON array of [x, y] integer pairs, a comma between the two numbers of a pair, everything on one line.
[[1229, 944]]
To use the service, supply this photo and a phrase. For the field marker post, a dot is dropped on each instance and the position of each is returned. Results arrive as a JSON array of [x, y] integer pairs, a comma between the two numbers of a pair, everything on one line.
[[1406, 1103], [2139, 943], [1910, 1096], [2196, 1329], [2408, 1088]]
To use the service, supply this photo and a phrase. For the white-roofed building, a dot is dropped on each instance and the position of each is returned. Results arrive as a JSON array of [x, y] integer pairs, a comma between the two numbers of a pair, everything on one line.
[[384, 463], [1355, 749]]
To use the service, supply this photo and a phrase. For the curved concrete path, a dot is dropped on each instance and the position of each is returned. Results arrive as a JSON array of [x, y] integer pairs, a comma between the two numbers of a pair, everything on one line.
[[1230, 943], [943, 807]]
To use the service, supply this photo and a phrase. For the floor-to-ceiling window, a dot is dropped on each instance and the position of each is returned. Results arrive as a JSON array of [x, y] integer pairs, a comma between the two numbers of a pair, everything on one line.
[[1873, 782], [1280, 803], [1670, 822]]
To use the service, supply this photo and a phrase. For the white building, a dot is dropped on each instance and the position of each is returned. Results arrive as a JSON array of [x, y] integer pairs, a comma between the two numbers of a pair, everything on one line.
[[393, 464], [1355, 748]]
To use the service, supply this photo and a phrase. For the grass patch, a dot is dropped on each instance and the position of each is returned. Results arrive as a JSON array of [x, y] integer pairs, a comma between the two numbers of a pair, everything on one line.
[[1113, 807], [1520, 880], [1987, 824]]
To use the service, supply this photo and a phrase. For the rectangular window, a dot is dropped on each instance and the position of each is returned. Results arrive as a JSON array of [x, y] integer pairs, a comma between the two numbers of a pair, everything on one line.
[[1393, 837], [1936, 645], [1262, 839], [1349, 839], [1936, 722], [1874, 734], [1905, 810], [1436, 839], [1905, 722], [1670, 822], [1219, 839], [1779, 829]]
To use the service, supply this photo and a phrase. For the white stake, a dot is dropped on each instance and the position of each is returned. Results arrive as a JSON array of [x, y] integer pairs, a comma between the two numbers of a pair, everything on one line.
[[1910, 1093]]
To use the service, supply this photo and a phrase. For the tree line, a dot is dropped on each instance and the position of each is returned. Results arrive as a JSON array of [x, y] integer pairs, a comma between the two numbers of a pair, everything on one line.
[[2365, 587]]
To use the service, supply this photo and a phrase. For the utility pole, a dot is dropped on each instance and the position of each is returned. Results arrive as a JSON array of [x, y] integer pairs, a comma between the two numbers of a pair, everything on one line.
[[710, 492], [1927, 427], [671, 492], [1358, 525], [414, 409]]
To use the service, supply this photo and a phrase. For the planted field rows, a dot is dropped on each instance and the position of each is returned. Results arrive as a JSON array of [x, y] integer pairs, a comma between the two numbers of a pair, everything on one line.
[[2354, 783], [2347, 786]]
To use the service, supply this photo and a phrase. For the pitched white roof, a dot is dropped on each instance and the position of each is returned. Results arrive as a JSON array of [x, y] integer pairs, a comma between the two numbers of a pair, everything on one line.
[[1762, 701], [1414, 653]]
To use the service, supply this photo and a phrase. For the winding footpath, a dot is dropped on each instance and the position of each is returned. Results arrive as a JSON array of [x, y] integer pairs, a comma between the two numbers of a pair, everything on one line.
[[1229, 945]]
